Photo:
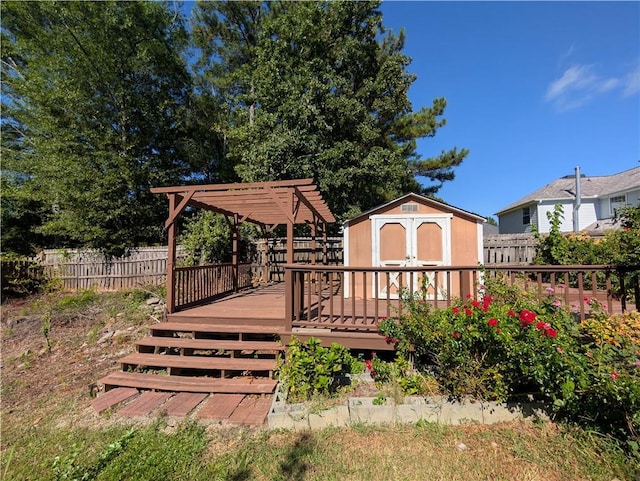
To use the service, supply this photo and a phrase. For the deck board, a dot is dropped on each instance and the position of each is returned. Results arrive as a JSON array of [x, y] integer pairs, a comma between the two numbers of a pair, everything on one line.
[[183, 403], [220, 406], [113, 398], [251, 411], [144, 404]]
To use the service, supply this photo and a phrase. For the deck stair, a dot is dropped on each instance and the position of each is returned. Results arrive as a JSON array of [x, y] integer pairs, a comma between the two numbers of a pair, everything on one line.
[[199, 357]]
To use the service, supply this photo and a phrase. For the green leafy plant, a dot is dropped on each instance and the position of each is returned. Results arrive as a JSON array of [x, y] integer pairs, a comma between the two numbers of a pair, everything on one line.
[[308, 369]]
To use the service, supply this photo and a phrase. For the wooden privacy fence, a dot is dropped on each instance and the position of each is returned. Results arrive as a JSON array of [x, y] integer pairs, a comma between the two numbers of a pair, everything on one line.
[[510, 249], [271, 255], [88, 269]]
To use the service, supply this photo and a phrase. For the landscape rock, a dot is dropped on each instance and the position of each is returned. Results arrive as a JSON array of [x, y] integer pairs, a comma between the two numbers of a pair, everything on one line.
[[106, 336]]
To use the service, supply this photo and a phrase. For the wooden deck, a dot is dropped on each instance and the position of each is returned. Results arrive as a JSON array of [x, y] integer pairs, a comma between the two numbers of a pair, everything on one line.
[[227, 350], [330, 319], [264, 303]]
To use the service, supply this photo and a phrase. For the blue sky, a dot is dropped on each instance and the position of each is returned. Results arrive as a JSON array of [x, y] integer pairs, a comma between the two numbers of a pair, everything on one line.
[[534, 89]]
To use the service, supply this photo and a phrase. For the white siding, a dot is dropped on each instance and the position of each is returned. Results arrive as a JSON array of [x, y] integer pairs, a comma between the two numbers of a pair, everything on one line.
[[633, 198], [587, 215], [511, 222], [566, 224]]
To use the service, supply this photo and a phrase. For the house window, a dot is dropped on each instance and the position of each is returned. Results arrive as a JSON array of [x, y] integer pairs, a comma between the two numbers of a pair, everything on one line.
[[617, 202], [526, 216]]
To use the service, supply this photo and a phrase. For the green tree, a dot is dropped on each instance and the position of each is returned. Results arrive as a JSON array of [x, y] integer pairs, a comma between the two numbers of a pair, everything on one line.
[[94, 102], [320, 89], [225, 34]]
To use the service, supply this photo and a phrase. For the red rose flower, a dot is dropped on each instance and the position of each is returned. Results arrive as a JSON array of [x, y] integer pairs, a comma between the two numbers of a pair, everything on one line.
[[456, 310], [541, 325], [511, 313], [527, 317], [475, 304], [551, 332], [493, 322], [456, 335], [468, 311]]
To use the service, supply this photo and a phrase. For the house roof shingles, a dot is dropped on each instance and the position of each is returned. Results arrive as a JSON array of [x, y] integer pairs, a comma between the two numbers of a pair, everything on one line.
[[590, 187]]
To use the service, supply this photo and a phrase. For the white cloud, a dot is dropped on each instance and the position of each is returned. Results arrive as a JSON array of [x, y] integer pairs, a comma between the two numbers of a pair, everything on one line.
[[631, 82], [580, 83]]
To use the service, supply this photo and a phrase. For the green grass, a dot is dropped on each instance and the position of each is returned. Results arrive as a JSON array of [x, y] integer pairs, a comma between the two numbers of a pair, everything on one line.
[[426, 451]]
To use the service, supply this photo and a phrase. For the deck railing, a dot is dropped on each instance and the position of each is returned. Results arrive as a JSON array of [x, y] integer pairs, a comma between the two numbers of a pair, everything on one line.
[[358, 297], [199, 284]]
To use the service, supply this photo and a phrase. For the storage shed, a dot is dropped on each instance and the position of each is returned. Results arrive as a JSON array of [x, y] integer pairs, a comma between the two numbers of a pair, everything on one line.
[[413, 231]]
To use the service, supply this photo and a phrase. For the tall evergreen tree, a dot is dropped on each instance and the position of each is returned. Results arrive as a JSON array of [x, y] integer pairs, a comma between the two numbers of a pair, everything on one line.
[[94, 102], [226, 35], [320, 89]]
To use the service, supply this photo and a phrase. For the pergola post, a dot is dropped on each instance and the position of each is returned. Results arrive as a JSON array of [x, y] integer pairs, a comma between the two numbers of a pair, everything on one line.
[[234, 251], [314, 246], [325, 259], [171, 254]]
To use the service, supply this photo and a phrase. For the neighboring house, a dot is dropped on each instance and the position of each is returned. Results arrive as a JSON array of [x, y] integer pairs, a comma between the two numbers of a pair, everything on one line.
[[592, 210]]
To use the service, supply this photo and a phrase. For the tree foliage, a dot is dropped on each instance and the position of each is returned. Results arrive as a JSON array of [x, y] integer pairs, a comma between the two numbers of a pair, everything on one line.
[[320, 90], [99, 105], [94, 98]]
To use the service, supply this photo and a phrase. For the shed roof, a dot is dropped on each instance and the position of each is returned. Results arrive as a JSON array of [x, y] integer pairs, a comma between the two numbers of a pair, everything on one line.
[[564, 188], [265, 203], [418, 198]]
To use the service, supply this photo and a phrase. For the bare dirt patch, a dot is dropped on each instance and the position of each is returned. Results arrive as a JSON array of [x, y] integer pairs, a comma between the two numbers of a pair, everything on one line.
[[40, 381]]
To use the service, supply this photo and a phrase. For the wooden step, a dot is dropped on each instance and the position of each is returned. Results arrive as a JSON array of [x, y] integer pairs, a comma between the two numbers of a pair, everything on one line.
[[146, 403], [351, 339], [208, 344], [198, 362], [213, 328], [113, 398], [237, 385], [183, 403]]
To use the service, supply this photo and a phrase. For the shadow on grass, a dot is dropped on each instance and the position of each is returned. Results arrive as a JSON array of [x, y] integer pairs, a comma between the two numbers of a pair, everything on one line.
[[296, 463]]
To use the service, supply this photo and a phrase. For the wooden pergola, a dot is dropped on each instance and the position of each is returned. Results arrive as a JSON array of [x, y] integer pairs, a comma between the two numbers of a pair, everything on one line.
[[267, 204]]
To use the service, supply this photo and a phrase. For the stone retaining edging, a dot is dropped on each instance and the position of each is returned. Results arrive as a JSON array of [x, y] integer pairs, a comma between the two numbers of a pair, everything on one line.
[[363, 410]]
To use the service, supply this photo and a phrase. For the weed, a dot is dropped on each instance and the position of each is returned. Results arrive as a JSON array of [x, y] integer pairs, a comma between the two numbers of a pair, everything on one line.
[[380, 399]]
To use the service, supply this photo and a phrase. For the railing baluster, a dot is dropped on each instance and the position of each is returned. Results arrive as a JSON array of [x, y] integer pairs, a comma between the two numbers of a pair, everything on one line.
[[376, 278], [353, 298], [364, 297], [343, 282], [388, 293], [581, 295], [607, 278], [330, 280], [320, 303], [539, 280], [436, 301]]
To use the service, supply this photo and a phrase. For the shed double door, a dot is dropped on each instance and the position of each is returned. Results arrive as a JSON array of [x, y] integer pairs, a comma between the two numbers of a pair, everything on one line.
[[411, 241]]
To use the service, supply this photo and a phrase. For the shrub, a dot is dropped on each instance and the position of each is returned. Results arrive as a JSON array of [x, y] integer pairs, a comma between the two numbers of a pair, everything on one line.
[[308, 369], [506, 345]]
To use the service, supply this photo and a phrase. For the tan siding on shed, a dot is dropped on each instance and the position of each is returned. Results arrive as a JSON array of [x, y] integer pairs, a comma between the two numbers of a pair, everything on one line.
[[463, 232]]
